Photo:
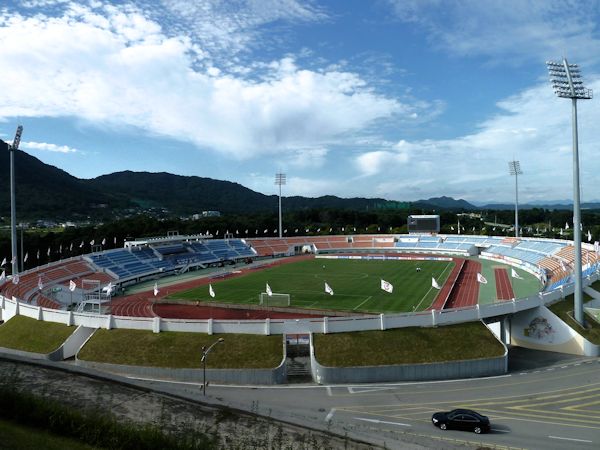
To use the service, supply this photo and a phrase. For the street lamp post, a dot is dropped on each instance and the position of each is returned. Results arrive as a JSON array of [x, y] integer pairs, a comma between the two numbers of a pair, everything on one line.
[[205, 352], [567, 83], [514, 168], [280, 179]]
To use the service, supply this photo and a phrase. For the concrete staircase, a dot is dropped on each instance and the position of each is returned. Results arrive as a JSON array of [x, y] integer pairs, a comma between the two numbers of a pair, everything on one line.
[[298, 370], [298, 361]]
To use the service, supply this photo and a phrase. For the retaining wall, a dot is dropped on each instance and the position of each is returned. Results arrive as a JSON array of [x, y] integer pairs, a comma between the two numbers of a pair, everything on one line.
[[408, 372]]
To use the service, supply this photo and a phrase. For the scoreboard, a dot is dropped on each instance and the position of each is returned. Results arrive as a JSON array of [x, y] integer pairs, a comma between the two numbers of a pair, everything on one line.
[[424, 224]]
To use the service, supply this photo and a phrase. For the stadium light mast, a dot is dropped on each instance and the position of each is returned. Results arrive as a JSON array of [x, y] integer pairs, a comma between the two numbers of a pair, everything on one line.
[[13, 207], [514, 168], [567, 83], [280, 180]]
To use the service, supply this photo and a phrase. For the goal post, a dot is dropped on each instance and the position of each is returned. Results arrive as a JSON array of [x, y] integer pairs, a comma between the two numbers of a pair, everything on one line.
[[274, 300]]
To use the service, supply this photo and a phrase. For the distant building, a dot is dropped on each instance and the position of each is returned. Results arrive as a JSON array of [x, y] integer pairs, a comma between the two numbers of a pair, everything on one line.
[[206, 214]]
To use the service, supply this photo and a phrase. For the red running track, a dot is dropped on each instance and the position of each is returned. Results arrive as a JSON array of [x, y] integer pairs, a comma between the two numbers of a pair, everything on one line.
[[504, 290], [466, 289], [444, 294], [142, 304], [176, 311]]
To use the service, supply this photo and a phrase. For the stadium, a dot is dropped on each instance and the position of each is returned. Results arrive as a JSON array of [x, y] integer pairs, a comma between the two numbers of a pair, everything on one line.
[[298, 287]]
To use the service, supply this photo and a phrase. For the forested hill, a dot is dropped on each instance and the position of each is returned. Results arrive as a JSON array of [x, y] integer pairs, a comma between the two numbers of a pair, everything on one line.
[[44, 191]]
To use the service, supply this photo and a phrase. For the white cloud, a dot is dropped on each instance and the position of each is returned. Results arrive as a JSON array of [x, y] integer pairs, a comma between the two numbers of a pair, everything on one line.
[[44, 146], [114, 66], [533, 127], [498, 29]]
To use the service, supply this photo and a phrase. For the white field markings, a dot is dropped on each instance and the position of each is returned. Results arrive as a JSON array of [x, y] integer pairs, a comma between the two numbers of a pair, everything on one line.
[[427, 293], [362, 303]]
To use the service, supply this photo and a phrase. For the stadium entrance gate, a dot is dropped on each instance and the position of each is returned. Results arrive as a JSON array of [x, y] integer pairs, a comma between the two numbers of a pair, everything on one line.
[[297, 361]]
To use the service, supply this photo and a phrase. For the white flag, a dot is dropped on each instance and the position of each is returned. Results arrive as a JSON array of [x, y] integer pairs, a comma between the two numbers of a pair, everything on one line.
[[269, 291], [566, 225], [435, 283], [48, 252], [481, 279], [387, 287], [40, 284], [108, 288], [156, 288], [72, 285], [451, 227], [115, 240], [211, 291], [3, 276], [92, 242], [3, 262], [26, 257], [514, 274], [328, 289], [15, 279], [103, 241], [81, 245], [70, 249], [38, 254], [589, 236]]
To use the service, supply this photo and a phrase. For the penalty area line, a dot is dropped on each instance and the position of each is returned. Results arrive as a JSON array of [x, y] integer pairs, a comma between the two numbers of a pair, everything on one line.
[[368, 298]]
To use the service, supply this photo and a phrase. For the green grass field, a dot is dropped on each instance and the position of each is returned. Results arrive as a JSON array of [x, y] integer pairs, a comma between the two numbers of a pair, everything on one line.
[[356, 285]]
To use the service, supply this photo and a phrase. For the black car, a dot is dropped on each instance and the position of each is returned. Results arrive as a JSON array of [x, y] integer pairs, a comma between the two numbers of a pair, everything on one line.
[[461, 419]]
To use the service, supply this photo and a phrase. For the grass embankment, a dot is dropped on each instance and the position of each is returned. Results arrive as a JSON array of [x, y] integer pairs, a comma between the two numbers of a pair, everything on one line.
[[30, 335], [182, 350], [564, 310], [20, 437], [356, 284], [407, 346]]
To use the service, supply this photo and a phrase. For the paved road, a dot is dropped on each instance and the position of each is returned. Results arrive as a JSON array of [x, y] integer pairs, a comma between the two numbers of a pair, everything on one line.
[[554, 405]]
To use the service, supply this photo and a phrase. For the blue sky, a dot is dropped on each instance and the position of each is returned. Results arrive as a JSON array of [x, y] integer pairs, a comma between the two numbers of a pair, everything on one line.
[[398, 99]]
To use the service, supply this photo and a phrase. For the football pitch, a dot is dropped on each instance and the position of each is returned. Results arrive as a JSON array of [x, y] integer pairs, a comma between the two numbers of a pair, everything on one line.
[[356, 285]]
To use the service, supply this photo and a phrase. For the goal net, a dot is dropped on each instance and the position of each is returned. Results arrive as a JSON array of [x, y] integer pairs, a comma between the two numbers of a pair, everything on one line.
[[274, 300]]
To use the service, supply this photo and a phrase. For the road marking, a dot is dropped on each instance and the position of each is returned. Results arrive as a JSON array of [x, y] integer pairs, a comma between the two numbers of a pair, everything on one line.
[[361, 390], [330, 415], [329, 391], [382, 421], [500, 431], [570, 439]]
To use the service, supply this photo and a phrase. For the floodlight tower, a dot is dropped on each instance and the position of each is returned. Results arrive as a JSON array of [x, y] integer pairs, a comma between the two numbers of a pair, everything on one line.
[[514, 168], [13, 207], [280, 179], [567, 83]]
